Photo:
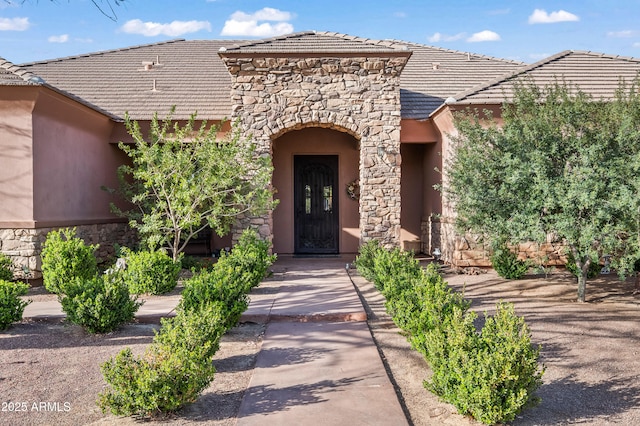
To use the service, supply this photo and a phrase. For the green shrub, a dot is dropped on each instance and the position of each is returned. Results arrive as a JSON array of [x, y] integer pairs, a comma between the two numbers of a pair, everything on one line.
[[11, 306], [99, 304], [65, 258], [6, 267], [173, 372], [215, 286], [365, 260], [506, 263], [230, 279], [390, 267], [437, 304], [594, 267], [491, 375], [152, 272], [177, 366]]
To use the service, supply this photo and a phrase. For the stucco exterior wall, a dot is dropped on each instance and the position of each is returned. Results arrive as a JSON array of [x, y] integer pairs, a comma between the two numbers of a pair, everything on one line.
[[16, 155], [72, 160], [314, 141]]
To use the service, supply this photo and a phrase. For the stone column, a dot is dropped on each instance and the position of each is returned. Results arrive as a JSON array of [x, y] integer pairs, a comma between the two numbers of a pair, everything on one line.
[[356, 94]]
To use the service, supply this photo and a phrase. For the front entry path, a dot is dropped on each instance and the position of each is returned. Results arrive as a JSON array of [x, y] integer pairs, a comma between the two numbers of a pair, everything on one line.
[[318, 364]]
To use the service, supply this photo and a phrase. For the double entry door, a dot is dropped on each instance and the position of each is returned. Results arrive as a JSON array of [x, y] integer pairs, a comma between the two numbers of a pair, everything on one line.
[[316, 204]]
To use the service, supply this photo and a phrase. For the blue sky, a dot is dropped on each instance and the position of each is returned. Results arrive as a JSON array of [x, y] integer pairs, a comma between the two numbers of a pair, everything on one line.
[[522, 30]]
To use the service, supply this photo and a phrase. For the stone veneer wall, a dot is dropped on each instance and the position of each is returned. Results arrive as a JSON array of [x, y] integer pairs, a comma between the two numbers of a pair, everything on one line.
[[467, 250], [24, 245], [357, 95]]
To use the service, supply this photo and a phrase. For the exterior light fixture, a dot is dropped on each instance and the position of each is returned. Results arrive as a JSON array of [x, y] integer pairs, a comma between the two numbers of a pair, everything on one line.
[[436, 254]]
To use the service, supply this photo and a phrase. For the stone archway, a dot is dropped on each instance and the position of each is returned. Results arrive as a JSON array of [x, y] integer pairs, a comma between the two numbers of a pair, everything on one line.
[[304, 143], [274, 92]]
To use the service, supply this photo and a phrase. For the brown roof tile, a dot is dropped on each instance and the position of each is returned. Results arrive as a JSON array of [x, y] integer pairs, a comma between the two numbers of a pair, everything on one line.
[[191, 75], [597, 74], [14, 75]]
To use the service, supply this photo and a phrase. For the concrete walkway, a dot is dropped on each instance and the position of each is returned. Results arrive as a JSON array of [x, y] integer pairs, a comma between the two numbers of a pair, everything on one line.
[[318, 364]]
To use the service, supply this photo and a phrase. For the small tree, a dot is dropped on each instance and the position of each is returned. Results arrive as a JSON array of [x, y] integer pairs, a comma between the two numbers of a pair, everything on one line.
[[561, 164], [183, 180]]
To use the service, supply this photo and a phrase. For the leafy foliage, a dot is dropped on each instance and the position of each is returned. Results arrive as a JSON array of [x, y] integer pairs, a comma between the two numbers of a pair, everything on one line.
[[229, 281], [561, 163], [11, 305], [173, 372], [365, 260], [506, 263], [152, 272], [66, 258], [492, 374], [177, 367], [6, 265], [184, 179], [592, 272], [100, 304]]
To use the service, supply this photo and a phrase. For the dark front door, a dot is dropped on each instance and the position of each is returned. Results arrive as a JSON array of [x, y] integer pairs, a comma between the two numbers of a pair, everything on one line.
[[316, 204]]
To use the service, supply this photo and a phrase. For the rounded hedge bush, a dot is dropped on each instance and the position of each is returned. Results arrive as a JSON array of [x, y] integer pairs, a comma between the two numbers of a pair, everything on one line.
[[152, 272], [100, 304], [66, 258], [11, 306]]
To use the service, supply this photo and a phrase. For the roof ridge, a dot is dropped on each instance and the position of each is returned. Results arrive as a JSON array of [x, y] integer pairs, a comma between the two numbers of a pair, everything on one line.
[[443, 49], [395, 45], [258, 42], [606, 55], [21, 72], [102, 52], [510, 75]]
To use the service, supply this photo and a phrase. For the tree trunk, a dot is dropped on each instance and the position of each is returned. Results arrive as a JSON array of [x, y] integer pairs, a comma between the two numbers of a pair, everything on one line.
[[582, 286]]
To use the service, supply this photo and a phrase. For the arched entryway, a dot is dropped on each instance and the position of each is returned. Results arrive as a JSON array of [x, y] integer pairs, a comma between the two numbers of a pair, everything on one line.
[[315, 214]]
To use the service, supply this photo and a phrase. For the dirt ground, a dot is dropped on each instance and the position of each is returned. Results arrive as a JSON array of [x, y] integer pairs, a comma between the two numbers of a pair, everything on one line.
[[50, 371]]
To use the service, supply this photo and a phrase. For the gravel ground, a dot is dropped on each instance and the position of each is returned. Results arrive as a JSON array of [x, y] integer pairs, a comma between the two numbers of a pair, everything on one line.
[[50, 371], [591, 351]]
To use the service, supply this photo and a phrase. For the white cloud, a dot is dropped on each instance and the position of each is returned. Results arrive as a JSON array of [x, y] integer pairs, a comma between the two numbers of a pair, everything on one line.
[[485, 35], [63, 38], [14, 24], [622, 34], [264, 14], [636, 44], [540, 16], [400, 14], [173, 29], [439, 37], [244, 24]]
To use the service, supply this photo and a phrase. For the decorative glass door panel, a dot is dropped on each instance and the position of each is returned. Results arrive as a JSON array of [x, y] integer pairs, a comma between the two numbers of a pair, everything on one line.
[[316, 204]]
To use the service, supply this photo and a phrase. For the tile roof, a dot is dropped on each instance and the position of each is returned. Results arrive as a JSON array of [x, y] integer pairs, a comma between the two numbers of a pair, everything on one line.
[[311, 42], [191, 75], [597, 74], [188, 74], [434, 74], [14, 75]]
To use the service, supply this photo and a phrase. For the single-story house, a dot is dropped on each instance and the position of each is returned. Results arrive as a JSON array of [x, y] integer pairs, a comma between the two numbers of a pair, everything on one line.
[[356, 130]]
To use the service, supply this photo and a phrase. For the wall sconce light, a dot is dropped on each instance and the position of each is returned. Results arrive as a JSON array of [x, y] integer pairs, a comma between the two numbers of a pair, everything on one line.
[[436, 254]]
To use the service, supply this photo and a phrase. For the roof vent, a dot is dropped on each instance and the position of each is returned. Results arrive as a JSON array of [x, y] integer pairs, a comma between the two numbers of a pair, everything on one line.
[[436, 65], [36, 80], [149, 65]]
